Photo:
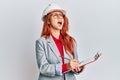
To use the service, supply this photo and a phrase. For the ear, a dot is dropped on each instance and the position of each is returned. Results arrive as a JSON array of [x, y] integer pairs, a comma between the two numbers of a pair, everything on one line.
[[48, 21]]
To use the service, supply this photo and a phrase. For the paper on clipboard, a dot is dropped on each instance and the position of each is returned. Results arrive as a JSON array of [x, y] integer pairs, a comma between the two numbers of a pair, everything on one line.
[[88, 61]]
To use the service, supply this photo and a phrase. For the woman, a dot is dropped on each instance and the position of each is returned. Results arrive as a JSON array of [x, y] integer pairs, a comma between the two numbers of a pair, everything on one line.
[[56, 50]]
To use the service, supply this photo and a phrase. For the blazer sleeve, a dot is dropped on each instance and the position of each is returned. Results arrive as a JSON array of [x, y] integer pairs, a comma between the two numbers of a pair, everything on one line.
[[46, 68]]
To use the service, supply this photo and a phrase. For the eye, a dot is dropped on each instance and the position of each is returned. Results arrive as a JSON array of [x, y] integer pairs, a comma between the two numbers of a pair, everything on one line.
[[61, 15], [57, 15]]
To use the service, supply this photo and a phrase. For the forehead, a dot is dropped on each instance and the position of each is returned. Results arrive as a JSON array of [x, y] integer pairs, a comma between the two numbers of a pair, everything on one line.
[[57, 12]]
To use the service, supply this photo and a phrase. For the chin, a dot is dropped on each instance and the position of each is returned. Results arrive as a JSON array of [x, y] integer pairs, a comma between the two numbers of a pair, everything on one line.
[[60, 28]]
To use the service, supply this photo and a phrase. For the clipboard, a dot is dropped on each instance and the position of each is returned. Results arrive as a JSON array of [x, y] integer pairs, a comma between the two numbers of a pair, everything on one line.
[[87, 61]]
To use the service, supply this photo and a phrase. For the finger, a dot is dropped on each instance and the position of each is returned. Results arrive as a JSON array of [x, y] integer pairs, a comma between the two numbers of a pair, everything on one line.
[[75, 60], [78, 69], [73, 70], [74, 64], [82, 67]]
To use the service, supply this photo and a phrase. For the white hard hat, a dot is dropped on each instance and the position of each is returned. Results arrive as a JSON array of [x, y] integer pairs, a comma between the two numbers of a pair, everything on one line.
[[51, 7]]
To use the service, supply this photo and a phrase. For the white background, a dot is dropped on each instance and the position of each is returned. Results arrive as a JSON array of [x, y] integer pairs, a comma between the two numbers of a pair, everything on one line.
[[95, 24]]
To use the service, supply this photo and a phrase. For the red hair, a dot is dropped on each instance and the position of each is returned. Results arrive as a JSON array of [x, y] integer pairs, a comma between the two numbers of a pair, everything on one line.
[[67, 40]]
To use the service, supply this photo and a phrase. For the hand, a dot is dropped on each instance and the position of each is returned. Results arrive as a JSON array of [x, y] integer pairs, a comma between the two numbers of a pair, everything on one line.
[[78, 69], [72, 64]]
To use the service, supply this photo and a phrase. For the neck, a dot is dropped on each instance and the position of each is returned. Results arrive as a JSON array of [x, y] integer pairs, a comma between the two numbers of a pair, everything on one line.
[[55, 33]]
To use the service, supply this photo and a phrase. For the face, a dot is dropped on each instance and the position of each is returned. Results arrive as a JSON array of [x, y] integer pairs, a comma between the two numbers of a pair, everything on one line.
[[57, 20]]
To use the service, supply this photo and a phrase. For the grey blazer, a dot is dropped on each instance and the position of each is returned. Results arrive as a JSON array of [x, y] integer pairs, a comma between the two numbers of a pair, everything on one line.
[[50, 62]]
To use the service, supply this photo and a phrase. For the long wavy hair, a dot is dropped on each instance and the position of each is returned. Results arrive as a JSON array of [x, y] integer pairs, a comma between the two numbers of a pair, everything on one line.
[[67, 40]]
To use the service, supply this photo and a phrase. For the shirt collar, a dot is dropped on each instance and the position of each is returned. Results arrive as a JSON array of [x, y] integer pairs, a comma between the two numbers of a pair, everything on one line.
[[59, 39]]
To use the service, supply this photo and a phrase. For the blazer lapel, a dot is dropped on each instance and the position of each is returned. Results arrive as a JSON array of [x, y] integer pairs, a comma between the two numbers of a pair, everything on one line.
[[54, 48]]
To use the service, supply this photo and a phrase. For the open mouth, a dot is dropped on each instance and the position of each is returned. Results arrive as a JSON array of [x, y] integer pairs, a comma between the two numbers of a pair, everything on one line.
[[59, 23]]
